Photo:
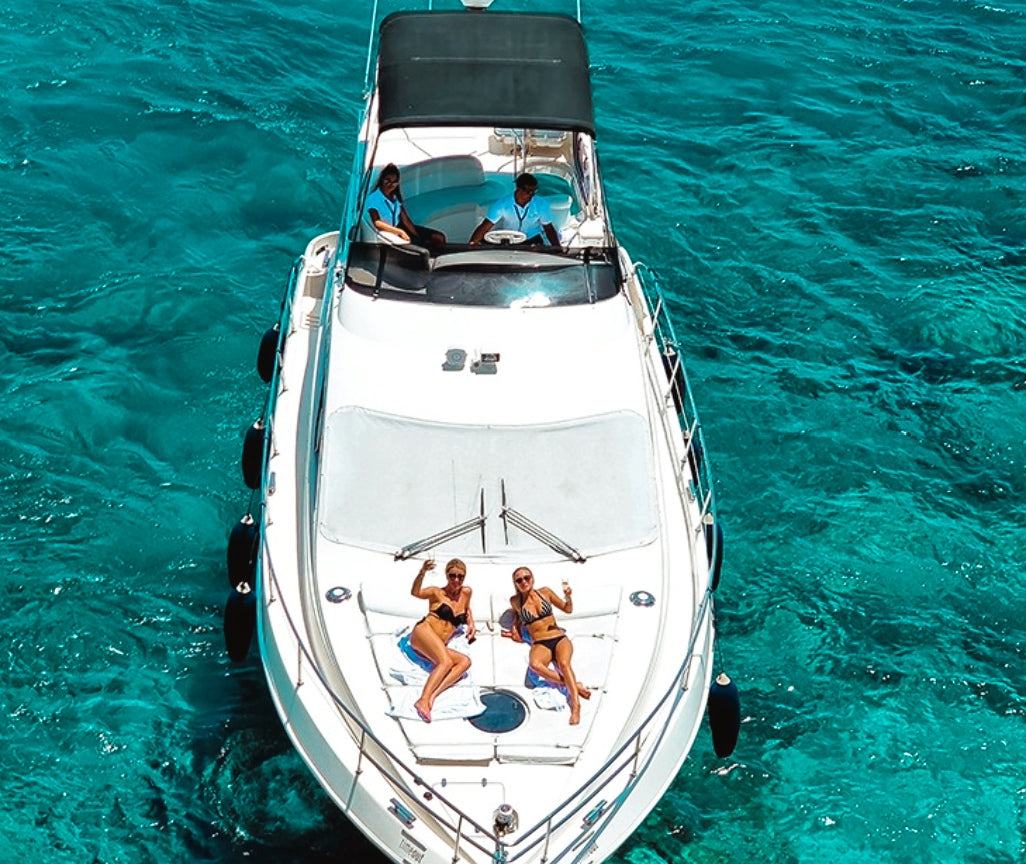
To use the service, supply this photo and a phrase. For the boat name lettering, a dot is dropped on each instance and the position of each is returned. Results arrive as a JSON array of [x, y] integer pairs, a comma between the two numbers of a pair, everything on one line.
[[411, 848]]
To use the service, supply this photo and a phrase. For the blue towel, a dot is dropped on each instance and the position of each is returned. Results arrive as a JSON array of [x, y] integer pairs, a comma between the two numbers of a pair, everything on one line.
[[535, 680], [407, 651]]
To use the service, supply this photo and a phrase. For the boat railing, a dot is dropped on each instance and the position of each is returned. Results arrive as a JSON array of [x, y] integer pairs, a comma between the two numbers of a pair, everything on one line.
[[626, 765], [628, 762], [284, 325], [694, 471]]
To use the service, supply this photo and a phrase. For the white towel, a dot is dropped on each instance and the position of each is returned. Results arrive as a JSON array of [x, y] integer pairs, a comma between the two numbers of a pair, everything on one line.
[[456, 703], [405, 664], [550, 698], [409, 667], [546, 695]]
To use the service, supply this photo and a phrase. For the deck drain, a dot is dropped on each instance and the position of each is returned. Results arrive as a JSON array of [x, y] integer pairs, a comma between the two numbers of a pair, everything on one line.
[[504, 712]]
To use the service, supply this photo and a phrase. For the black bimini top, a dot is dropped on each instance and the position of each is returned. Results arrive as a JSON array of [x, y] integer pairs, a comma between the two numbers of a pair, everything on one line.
[[521, 71]]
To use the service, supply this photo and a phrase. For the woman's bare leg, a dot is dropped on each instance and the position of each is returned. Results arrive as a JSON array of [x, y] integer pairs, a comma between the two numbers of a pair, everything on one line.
[[429, 644], [563, 653], [459, 667], [540, 658], [540, 661]]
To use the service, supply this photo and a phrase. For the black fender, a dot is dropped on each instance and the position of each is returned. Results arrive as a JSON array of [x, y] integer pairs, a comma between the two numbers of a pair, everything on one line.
[[253, 454], [239, 621], [243, 551], [724, 709], [267, 354]]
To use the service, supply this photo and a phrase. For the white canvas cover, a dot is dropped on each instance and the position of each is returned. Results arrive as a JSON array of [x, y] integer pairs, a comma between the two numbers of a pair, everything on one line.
[[387, 481]]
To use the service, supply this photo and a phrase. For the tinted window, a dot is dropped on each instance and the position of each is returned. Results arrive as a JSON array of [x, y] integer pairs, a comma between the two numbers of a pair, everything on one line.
[[482, 276]]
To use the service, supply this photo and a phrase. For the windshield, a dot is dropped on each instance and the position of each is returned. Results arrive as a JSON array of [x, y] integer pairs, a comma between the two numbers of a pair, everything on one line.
[[490, 276]]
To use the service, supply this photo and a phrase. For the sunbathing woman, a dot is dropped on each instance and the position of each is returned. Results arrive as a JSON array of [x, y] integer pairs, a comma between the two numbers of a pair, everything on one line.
[[549, 643], [448, 608]]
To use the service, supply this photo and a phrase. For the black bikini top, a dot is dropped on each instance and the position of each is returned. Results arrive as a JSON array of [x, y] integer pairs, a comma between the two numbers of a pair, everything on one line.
[[527, 618], [444, 611]]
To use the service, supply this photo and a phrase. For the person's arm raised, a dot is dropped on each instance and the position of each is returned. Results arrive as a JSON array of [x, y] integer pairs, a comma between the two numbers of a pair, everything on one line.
[[418, 589], [564, 603]]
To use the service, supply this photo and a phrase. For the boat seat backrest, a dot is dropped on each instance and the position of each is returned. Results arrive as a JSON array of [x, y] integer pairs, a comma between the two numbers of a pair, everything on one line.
[[452, 194], [388, 609], [449, 194], [560, 205], [595, 610], [437, 189], [444, 172]]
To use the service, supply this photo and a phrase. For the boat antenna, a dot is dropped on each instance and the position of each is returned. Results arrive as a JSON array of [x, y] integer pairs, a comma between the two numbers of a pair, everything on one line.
[[370, 45]]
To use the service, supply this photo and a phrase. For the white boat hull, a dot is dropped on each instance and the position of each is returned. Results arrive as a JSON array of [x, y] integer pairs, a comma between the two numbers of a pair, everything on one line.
[[509, 406]]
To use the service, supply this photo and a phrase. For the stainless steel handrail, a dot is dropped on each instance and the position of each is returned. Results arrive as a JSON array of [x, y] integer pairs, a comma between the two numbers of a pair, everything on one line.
[[696, 452], [666, 337], [590, 789], [678, 686], [602, 778]]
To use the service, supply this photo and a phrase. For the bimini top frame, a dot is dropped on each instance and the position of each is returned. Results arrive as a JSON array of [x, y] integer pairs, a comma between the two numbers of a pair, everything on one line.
[[526, 71]]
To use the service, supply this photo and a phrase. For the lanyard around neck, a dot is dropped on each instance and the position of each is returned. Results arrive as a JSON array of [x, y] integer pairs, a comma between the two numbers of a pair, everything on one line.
[[521, 216]]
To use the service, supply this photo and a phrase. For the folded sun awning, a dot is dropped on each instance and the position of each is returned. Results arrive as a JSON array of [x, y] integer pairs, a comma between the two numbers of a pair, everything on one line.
[[523, 71]]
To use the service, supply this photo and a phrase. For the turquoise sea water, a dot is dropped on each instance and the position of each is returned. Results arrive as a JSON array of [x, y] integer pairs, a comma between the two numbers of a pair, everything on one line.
[[834, 195]]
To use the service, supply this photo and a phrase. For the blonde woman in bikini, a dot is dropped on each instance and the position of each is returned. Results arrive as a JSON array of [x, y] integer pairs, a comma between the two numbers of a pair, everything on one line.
[[549, 642], [448, 608]]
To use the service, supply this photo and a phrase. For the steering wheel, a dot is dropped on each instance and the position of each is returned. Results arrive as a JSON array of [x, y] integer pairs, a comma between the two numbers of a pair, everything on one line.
[[505, 237]]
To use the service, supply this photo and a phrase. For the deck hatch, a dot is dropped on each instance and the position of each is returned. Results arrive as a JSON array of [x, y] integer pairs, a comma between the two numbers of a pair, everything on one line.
[[558, 475], [504, 712]]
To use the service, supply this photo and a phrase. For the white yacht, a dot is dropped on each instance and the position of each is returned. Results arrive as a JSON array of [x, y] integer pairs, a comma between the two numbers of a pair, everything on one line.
[[508, 403]]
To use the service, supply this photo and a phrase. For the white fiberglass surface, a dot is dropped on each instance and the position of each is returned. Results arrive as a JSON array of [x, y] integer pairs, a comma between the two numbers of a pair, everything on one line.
[[388, 481]]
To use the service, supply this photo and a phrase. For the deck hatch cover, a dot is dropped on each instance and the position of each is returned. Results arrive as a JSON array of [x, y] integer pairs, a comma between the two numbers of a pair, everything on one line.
[[559, 475]]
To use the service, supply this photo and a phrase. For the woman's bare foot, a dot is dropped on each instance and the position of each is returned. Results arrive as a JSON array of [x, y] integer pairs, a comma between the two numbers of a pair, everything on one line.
[[575, 715], [583, 691], [423, 710]]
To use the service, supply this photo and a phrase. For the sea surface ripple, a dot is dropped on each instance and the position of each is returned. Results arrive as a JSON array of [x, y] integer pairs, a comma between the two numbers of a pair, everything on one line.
[[833, 194]]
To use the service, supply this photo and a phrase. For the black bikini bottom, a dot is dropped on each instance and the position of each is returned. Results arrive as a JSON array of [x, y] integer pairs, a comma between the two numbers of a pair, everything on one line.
[[551, 643]]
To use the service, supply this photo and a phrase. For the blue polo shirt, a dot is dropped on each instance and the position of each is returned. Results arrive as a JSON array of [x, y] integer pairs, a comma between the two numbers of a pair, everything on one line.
[[507, 214]]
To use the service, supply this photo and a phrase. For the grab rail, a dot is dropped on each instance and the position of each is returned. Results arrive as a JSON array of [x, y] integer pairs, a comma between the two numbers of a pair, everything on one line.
[[678, 390], [670, 347], [624, 759], [585, 792]]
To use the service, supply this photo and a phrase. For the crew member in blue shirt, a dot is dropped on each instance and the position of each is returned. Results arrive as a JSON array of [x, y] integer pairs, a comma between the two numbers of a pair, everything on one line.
[[522, 211], [387, 213]]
